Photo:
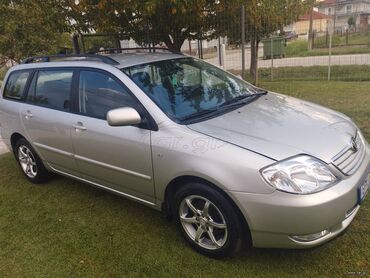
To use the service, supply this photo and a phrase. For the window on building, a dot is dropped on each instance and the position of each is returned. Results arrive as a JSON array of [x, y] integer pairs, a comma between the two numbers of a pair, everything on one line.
[[349, 9]]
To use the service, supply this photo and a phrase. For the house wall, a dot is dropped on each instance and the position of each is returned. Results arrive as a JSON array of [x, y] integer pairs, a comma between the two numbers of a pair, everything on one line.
[[358, 6], [319, 25]]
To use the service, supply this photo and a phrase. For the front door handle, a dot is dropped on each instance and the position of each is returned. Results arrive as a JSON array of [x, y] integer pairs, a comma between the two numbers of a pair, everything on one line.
[[79, 127], [28, 114]]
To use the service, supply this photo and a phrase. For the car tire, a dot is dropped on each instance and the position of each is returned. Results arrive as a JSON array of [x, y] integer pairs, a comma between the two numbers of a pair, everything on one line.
[[30, 163], [210, 223]]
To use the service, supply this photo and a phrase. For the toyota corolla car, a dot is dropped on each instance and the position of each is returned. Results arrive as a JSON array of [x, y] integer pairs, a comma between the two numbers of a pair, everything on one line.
[[230, 162]]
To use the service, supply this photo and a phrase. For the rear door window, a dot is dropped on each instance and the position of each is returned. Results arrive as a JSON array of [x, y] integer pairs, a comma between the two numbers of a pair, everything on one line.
[[52, 89], [15, 85]]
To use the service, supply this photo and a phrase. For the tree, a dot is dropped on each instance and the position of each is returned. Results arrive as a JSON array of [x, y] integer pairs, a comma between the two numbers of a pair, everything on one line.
[[30, 28], [146, 21], [351, 22], [264, 17]]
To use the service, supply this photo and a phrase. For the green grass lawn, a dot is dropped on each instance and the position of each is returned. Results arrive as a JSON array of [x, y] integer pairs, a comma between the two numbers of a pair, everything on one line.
[[299, 48], [338, 40], [65, 228], [315, 73]]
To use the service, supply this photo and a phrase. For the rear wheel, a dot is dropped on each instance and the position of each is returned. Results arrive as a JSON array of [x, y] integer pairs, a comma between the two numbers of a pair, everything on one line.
[[30, 163], [208, 220]]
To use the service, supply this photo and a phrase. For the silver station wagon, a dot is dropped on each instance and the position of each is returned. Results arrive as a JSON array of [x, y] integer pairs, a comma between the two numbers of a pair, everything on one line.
[[230, 162]]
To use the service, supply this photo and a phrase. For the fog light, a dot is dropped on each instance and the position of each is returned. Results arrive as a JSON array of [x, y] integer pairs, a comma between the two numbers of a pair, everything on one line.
[[310, 237], [350, 211]]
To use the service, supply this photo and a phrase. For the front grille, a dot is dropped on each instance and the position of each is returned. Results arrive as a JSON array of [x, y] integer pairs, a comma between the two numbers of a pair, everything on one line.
[[349, 159]]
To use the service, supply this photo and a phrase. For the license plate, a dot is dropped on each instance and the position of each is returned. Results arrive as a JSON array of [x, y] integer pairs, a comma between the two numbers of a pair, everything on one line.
[[362, 190]]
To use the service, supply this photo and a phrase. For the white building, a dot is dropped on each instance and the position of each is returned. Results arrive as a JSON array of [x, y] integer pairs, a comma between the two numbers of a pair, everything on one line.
[[343, 10]]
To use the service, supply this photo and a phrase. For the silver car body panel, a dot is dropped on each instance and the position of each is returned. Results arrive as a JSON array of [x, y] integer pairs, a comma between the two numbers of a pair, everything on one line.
[[227, 151], [116, 157], [279, 127], [50, 132]]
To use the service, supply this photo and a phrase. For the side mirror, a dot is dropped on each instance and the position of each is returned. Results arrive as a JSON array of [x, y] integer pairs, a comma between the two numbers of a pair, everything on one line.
[[123, 117]]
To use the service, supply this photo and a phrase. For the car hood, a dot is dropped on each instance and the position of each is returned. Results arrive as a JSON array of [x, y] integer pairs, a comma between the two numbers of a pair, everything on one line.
[[279, 127]]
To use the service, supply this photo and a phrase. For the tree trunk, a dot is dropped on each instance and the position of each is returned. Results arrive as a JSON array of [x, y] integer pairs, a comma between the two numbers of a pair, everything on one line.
[[174, 43], [254, 60]]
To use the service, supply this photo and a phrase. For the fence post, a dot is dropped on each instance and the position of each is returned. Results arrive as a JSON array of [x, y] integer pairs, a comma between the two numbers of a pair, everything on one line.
[[243, 41], [201, 49], [272, 58], [219, 51], [313, 39], [223, 55], [347, 37], [199, 54], [331, 33]]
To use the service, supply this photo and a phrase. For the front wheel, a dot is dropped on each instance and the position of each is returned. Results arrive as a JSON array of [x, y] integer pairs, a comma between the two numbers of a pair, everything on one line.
[[208, 220]]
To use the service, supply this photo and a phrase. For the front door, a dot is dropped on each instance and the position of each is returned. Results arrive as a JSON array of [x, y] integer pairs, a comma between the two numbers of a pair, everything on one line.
[[114, 157]]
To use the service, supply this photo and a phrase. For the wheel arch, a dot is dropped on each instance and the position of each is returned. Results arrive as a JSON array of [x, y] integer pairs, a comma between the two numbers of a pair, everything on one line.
[[176, 183], [14, 138]]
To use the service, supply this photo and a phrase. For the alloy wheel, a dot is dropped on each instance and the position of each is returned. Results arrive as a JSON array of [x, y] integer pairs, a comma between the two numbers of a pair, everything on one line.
[[27, 161], [203, 222]]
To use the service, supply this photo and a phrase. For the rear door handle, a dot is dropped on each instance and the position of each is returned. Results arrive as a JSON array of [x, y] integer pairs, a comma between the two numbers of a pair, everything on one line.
[[28, 114], [79, 127]]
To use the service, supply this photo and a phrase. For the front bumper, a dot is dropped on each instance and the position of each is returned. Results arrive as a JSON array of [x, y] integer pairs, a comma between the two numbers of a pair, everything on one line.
[[274, 218]]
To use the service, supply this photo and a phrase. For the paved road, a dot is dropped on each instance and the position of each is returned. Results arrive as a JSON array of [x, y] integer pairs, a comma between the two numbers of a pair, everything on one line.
[[233, 60], [3, 148]]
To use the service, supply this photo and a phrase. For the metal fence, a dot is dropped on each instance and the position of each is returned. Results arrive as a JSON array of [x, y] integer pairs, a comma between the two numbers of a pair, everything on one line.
[[284, 55], [287, 54]]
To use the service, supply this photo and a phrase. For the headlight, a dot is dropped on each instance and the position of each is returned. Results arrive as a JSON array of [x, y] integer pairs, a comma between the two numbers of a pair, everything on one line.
[[300, 175]]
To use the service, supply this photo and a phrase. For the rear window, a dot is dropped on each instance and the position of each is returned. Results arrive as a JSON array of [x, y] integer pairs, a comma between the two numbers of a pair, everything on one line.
[[16, 83], [51, 89]]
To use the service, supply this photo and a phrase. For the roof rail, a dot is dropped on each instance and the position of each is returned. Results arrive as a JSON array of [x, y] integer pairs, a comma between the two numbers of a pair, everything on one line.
[[70, 57], [137, 49]]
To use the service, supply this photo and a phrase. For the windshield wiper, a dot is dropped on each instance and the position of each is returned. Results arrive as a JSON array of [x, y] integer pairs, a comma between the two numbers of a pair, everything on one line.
[[242, 100], [200, 114], [235, 100]]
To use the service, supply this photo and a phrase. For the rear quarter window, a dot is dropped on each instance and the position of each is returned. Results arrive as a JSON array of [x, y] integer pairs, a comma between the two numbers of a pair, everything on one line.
[[16, 84]]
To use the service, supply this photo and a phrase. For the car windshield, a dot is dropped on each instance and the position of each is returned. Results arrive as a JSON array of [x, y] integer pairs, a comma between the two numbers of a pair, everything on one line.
[[187, 88]]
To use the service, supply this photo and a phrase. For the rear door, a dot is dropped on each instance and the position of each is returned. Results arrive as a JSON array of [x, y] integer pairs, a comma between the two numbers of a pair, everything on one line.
[[116, 157], [47, 119]]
